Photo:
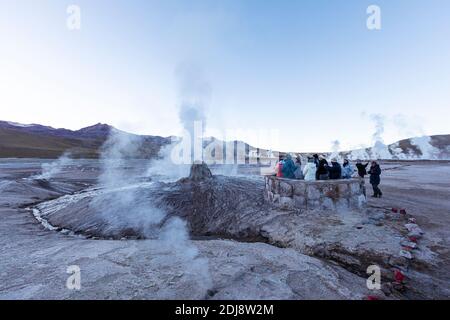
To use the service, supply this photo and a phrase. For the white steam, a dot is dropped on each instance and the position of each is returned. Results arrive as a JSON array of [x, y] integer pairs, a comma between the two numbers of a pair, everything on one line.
[[418, 147], [335, 148], [175, 159], [379, 149], [50, 170], [127, 203], [427, 150]]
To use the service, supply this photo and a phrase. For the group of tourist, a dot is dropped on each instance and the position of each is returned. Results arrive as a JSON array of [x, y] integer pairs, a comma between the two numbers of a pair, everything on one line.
[[318, 168]]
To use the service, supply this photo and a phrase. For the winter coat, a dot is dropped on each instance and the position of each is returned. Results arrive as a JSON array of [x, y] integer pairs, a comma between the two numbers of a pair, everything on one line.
[[347, 171], [335, 171], [323, 167], [279, 169], [298, 173], [362, 169], [375, 173], [309, 171], [289, 168]]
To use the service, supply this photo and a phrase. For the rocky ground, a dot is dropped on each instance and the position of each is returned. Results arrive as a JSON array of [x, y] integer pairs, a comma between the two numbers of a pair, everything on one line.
[[268, 254]]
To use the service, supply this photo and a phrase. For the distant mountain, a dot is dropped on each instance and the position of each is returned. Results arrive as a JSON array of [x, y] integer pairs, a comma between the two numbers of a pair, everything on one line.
[[38, 141]]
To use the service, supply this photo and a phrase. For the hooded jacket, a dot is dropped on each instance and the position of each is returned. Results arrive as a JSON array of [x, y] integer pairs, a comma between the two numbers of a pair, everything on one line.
[[375, 173], [298, 171], [323, 167], [289, 168], [335, 171], [347, 171], [309, 171], [362, 169]]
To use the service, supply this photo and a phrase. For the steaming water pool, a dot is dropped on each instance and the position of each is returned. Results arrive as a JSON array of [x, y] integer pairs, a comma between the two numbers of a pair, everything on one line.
[[43, 211]]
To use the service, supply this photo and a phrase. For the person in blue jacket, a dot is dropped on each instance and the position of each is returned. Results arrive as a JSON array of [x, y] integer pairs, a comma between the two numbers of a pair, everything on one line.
[[289, 168], [347, 169], [375, 173]]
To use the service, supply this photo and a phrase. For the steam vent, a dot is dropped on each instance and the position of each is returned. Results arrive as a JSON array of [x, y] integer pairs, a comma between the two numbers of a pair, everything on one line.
[[314, 195], [200, 171]]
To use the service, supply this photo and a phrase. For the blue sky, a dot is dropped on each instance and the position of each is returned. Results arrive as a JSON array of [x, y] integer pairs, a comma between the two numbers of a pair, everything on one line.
[[309, 70]]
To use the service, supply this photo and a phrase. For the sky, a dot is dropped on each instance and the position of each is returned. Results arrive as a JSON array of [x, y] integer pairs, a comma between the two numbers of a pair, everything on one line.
[[286, 75]]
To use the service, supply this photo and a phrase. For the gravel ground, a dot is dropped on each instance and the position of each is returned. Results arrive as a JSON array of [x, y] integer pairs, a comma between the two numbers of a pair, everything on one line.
[[34, 261]]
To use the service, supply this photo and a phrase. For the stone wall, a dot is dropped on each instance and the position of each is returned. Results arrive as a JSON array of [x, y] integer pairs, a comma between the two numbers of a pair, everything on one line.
[[333, 195]]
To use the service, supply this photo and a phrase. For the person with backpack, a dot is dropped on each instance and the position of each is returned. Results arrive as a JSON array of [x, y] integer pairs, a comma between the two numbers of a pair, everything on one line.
[[310, 169], [316, 162], [335, 171], [322, 170], [347, 169], [298, 171], [375, 173], [279, 167], [288, 168]]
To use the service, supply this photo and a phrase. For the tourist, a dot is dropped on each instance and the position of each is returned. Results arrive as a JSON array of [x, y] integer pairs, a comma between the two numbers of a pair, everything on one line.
[[375, 173], [316, 162], [279, 167], [361, 168], [298, 168], [347, 169], [288, 168], [335, 171], [322, 170], [309, 171]]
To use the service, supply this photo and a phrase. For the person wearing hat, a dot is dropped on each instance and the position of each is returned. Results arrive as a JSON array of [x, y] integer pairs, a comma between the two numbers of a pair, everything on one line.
[[298, 168], [316, 162], [375, 173], [347, 169], [288, 167], [335, 170], [322, 170], [362, 168]]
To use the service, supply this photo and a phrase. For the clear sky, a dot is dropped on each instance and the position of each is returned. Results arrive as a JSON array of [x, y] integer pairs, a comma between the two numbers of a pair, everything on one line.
[[310, 70]]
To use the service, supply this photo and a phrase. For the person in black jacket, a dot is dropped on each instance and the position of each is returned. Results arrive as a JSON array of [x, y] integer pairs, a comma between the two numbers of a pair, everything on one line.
[[335, 170], [362, 168], [316, 161], [322, 169], [375, 173]]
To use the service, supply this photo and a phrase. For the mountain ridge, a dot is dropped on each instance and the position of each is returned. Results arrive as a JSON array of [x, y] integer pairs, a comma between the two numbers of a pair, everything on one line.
[[39, 141]]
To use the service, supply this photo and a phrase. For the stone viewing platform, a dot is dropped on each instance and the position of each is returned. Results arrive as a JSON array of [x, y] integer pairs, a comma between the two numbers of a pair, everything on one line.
[[290, 194]]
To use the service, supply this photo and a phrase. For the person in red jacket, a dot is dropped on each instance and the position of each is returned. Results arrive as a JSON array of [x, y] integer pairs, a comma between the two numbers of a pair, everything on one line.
[[279, 167]]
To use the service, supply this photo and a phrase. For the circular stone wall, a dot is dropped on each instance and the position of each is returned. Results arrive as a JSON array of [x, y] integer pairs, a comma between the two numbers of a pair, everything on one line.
[[333, 195]]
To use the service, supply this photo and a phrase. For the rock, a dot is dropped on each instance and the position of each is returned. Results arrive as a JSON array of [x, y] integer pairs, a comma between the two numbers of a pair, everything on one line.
[[300, 189], [286, 203], [313, 192], [378, 216], [355, 188], [414, 230], [344, 190], [408, 244], [330, 191], [398, 261], [412, 226], [414, 234], [405, 254], [285, 189], [342, 204], [200, 171], [299, 201]]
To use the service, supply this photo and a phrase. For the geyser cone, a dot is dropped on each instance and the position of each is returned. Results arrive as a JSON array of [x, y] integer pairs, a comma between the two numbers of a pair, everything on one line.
[[200, 171]]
